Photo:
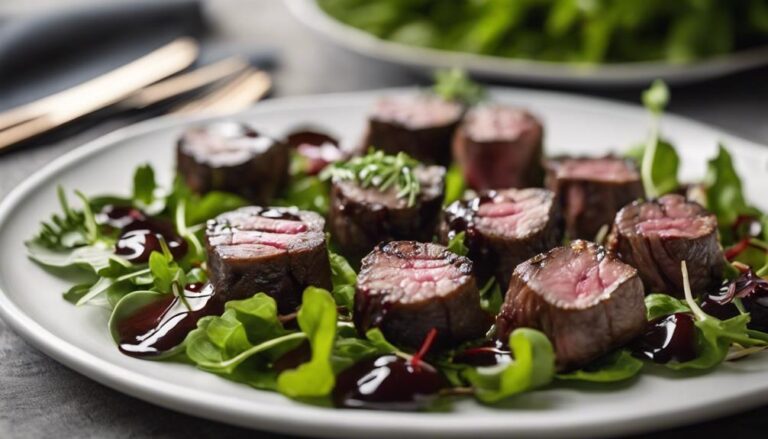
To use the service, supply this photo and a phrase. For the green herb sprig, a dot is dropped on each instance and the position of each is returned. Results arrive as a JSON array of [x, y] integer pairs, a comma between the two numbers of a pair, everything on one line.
[[380, 171], [455, 85]]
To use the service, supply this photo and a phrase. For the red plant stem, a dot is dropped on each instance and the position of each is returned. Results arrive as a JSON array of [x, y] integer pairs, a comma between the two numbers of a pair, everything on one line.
[[425, 345], [735, 250]]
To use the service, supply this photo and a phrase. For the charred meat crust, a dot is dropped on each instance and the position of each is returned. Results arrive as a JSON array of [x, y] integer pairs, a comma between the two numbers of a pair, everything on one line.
[[360, 218], [421, 126], [232, 157], [655, 236], [519, 224], [500, 147], [590, 197], [406, 288], [278, 251], [586, 301]]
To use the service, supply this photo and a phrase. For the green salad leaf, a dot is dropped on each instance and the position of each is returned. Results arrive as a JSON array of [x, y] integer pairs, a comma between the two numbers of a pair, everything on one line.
[[714, 336], [660, 305], [614, 367], [242, 343], [533, 367], [724, 193], [344, 279], [491, 297], [144, 185], [456, 244], [659, 161], [317, 319], [454, 184]]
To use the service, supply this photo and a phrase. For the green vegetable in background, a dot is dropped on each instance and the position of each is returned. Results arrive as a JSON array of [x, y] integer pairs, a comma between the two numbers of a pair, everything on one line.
[[533, 367], [455, 85], [571, 31]]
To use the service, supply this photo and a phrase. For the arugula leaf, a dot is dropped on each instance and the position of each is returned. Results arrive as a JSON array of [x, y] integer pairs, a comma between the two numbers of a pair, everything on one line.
[[317, 319], [144, 185], [92, 258], [660, 305], [258, 314], [715, 336], [534, 367], [344, 279], [456, 244], [454, 85], [617, 366], [349, 349], [491, 297], [199, 209], [724, 193], [454, 184], [238, 345]]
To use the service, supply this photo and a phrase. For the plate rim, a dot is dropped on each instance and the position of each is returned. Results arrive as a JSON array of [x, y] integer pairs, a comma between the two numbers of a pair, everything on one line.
[[524, 70], [308, 419]]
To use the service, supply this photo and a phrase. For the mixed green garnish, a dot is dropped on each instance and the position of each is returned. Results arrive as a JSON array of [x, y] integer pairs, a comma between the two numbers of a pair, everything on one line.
[[572, 31], [381, 171], [302, 355]]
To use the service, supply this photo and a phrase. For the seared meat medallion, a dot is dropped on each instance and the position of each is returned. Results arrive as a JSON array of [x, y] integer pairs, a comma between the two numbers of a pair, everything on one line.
[[232, 157], [420, 125], [406, 288], [586, 301], [278, 251], [592, 190], [500, 147], [655, 236], [504, 228], [362, 217]]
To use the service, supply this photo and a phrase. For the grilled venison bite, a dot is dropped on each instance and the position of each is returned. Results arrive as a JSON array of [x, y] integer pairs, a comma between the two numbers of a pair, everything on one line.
[[277, 251], [591, 191], [232, 157], [420, 125], [655, 236], [586, 301], [500, 147], [406, 288], [504, 228], [361, 217]]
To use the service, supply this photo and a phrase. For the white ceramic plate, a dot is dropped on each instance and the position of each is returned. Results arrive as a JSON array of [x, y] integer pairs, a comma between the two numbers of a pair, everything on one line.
[[521, 70], [31, 303]]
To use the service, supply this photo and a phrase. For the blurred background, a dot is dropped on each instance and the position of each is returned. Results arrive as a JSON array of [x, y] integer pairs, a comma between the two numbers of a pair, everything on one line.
[[713, 52]]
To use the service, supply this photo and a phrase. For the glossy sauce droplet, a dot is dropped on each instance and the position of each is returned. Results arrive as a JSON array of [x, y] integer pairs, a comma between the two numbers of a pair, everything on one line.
[[490, 354], [119, 217], [163, 325], [140, 238], [669, 338], [388, 382]]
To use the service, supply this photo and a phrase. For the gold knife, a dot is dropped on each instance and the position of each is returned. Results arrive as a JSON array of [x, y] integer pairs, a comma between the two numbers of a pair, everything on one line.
[[45, 114]]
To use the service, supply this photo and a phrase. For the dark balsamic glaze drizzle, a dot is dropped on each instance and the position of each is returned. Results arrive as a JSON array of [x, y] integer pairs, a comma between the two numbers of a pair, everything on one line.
[[163, 325], [388, 382], [488, 354], [669, 338], [140, 234]]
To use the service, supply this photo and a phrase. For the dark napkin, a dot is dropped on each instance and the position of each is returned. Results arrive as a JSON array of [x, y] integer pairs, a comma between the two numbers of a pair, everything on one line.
[[53, 50]]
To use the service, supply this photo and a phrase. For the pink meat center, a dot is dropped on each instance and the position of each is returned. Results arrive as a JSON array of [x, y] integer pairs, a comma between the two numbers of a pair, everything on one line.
[[672, 217], [513, 218], [249, 230]]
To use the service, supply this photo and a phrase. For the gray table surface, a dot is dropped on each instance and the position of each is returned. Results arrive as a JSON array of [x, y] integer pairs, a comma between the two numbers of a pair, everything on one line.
[[41, 398]]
